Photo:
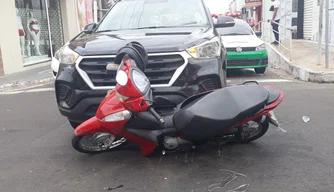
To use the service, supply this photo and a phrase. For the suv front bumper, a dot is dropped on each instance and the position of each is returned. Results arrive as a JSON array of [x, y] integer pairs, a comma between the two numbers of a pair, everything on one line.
[[78, 101]]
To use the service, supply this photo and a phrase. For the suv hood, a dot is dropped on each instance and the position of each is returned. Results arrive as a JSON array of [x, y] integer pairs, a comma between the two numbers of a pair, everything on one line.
[[241, 41], [154, 40]]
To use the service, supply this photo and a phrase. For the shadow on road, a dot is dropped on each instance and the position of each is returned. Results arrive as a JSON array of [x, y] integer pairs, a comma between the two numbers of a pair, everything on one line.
[[241, 73]]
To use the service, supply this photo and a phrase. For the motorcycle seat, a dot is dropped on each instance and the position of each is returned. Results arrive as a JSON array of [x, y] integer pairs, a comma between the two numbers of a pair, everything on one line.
[[273, 95], [221, 109]]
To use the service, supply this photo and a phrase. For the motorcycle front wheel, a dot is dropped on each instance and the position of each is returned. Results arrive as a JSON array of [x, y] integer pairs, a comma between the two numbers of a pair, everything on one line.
[[97, 143]]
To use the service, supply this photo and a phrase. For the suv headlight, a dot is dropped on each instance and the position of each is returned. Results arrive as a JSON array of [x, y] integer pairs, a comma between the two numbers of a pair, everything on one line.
[[141, 81], [261, 47], [209, 49], [65, 55]]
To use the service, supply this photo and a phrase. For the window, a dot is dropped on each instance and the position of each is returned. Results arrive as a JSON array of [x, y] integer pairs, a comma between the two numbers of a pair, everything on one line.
[[36, 25], [154, 13], [240, 28]]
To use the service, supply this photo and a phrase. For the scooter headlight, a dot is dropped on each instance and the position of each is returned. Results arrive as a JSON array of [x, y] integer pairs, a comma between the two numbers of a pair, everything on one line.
[[140, 80], [118, 116], [121, 78]]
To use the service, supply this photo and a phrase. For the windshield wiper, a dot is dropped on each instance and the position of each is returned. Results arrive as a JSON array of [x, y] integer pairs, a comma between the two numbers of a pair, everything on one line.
[[107, 30], [235, 34], [150, 27], [172, 26], [190, 23]]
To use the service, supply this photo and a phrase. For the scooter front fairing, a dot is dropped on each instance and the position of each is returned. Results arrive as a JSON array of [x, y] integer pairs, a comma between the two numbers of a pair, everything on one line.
[[105, 119]]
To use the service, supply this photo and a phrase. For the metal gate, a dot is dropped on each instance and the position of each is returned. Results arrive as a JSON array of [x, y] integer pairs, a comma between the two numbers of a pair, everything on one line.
[[308, 19]]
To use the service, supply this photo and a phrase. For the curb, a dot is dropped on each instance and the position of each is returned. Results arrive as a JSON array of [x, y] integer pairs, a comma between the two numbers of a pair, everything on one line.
[[278, 60], [19, 85]]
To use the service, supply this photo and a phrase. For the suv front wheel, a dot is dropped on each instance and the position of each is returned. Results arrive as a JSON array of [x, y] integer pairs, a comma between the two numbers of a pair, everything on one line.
[[224, 75]]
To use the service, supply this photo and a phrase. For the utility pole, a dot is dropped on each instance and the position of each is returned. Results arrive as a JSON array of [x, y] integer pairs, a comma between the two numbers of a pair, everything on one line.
[[321, 11], [100, 14], [327, 34], [95, 11]]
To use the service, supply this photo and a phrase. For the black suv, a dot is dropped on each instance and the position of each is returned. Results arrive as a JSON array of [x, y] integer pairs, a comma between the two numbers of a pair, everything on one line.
[[185, 54]]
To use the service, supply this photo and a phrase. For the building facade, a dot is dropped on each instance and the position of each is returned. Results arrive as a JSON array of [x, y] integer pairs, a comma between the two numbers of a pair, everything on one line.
[[311, 21], [34, 29], [291, 13]]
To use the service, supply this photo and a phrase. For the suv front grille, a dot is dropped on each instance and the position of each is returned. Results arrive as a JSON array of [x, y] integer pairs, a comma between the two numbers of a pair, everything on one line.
[[243, 62], [160, 69]]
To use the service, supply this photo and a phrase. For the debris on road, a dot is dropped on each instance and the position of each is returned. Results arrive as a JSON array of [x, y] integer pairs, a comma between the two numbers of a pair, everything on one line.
[[306, 119], [232, 176], [112, 188]]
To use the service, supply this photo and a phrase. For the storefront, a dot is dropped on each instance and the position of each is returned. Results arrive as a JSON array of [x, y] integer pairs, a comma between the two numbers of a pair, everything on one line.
[[32, 30], [39, 29]]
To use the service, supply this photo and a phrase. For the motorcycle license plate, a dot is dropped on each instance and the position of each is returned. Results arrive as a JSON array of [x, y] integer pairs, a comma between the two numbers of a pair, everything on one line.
[[272, 118]]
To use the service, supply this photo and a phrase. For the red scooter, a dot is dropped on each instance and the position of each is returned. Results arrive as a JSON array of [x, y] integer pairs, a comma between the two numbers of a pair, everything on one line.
[[238, 114]]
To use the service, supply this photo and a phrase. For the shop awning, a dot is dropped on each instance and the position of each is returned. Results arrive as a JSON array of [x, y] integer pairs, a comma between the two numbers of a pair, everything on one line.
[[252, 3]]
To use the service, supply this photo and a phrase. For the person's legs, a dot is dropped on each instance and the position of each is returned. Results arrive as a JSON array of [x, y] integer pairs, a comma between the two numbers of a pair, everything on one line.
[[276, 31]]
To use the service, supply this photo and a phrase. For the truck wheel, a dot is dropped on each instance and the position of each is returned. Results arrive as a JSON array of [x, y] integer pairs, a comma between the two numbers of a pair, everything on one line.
[[74, 124], [260, 70]]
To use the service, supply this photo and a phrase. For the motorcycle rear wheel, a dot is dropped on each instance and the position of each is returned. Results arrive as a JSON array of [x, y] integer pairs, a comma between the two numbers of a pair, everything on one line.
[[262, 129], [97, 143]]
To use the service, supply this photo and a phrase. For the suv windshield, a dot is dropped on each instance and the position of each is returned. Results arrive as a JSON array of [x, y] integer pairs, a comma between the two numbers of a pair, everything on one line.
[[137, 14], [240, 28]]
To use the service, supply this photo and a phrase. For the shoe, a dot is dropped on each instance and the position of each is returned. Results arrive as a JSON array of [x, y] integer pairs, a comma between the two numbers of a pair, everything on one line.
[[275, 43]]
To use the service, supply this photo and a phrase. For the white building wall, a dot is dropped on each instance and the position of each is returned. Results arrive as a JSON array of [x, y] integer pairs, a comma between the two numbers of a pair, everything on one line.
[[286, 18], [267, 33], [315, 24], [240, 4], [233, 6]]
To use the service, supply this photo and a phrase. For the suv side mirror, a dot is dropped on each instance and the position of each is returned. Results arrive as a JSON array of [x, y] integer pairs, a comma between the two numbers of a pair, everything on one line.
[[258, 34], [224, 21], [89, 28]]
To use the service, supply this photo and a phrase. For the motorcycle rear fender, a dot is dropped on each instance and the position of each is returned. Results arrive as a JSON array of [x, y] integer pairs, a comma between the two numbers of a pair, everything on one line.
[[266, 110], [277, 102]]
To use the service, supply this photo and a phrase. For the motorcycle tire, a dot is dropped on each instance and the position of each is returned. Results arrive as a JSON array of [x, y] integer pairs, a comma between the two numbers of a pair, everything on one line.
[[264, 129], [76, 145]]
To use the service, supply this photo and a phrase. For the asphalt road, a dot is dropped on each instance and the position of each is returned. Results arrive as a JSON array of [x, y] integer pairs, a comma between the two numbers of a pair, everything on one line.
[[36, 153]]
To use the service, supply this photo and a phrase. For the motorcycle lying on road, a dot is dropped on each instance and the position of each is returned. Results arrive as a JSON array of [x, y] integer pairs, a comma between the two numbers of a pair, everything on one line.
[[240, 114]]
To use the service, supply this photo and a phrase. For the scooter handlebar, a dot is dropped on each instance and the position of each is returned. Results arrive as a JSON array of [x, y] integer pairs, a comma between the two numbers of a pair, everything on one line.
[[156, 115]]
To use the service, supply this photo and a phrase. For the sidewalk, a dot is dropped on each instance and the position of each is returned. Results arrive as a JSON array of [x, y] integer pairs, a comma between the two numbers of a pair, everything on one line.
[[303, 64], [25, 79]]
